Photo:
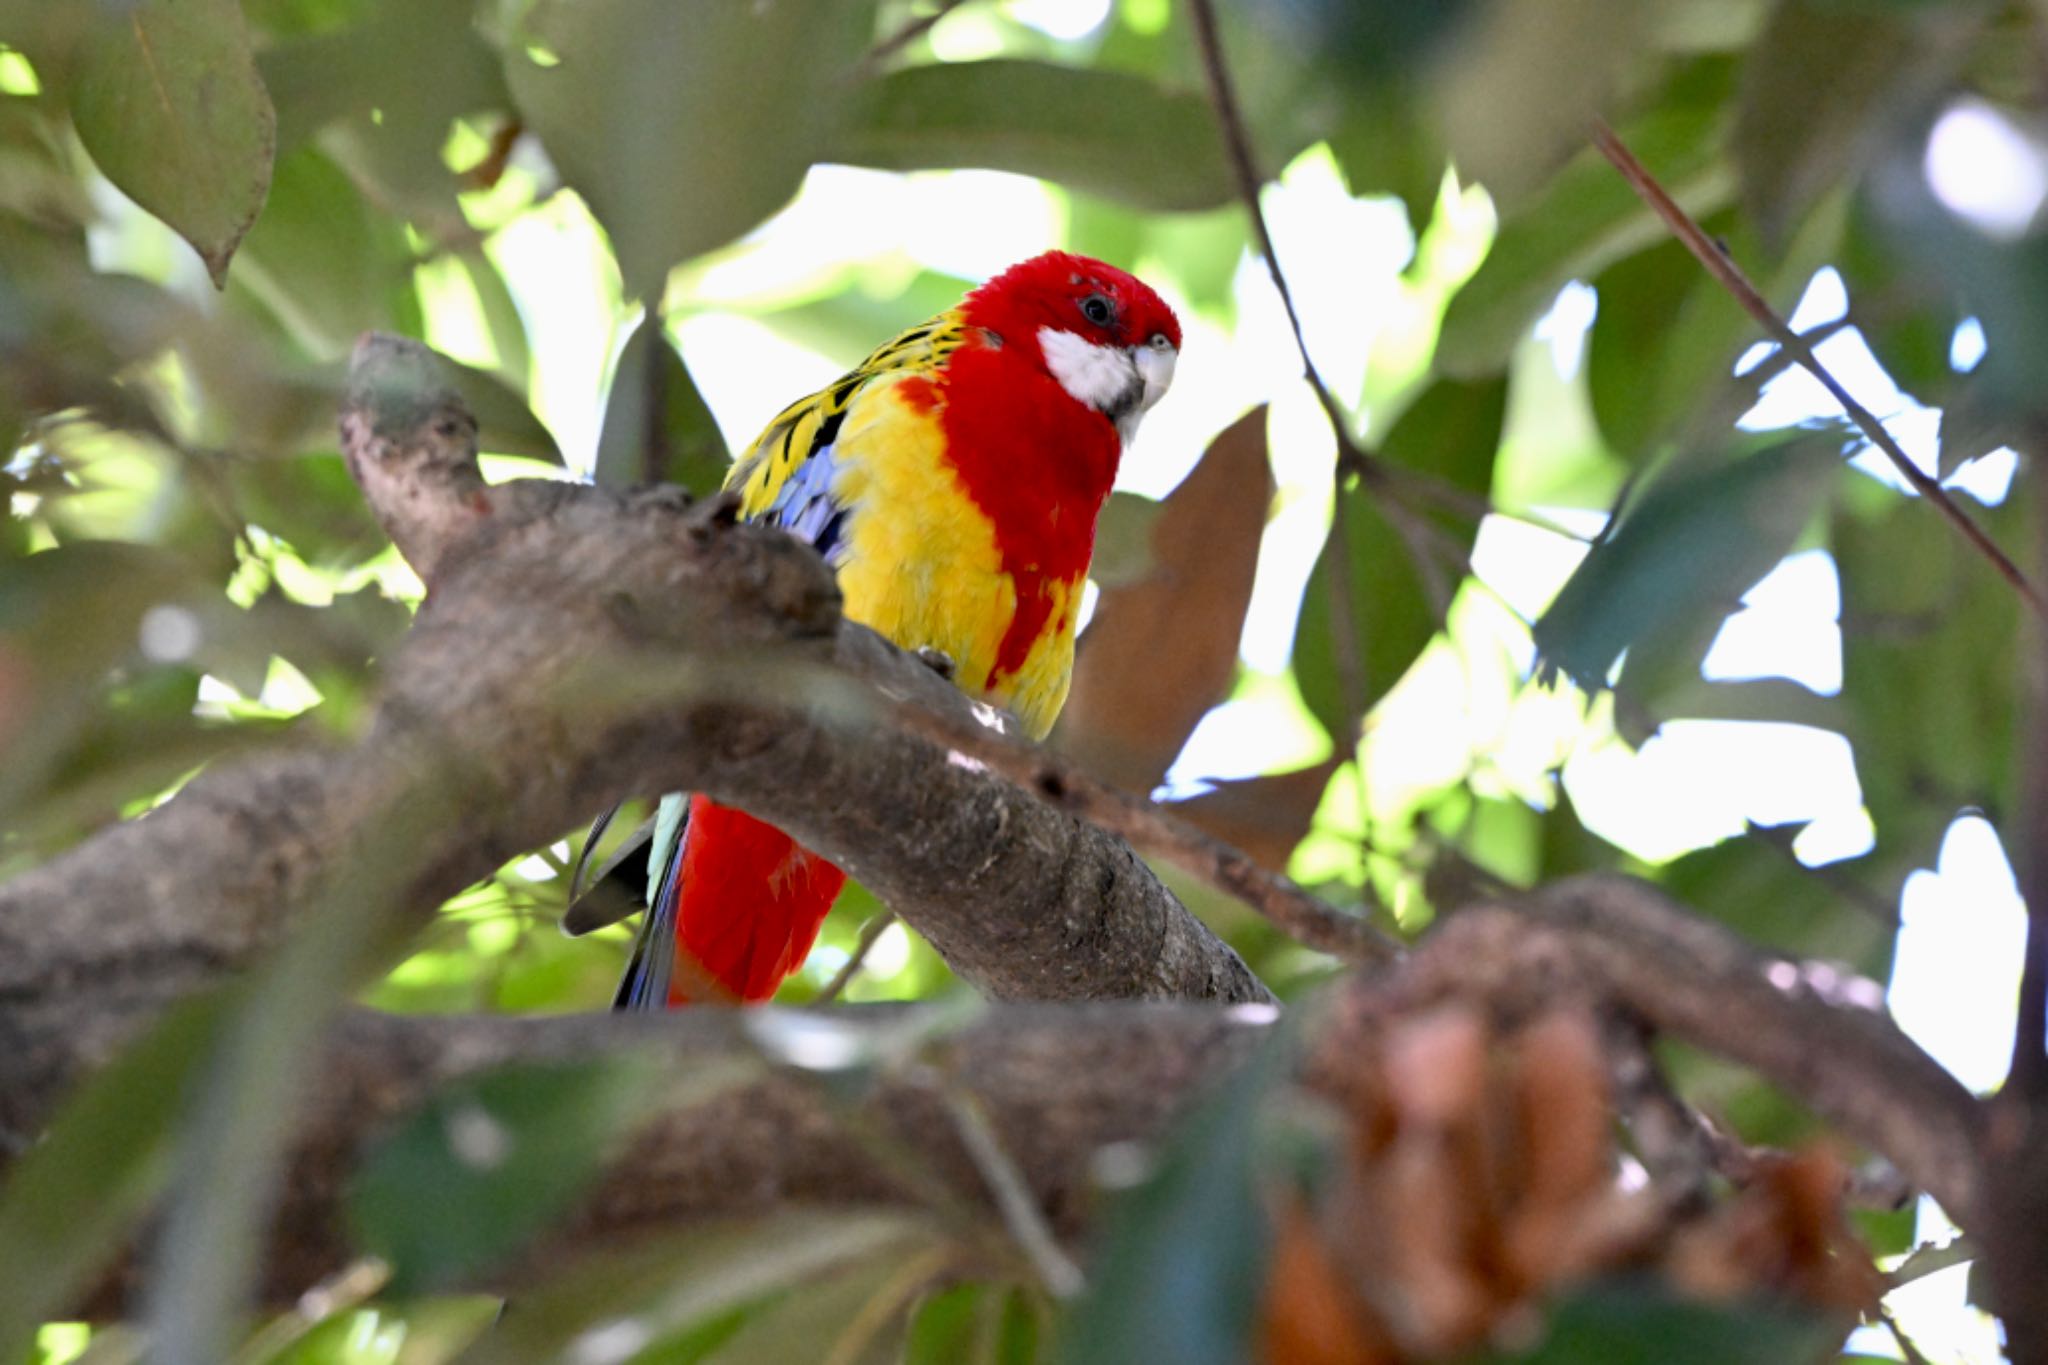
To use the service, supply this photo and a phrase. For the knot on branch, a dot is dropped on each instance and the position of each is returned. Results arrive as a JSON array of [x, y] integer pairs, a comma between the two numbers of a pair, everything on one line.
[[410, 442]]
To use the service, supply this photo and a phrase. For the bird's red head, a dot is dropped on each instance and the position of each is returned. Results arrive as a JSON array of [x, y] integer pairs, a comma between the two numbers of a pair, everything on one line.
[[1102, 332]]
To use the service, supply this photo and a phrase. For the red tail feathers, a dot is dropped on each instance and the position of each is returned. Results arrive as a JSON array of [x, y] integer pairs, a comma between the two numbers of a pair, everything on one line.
[[748, 909]]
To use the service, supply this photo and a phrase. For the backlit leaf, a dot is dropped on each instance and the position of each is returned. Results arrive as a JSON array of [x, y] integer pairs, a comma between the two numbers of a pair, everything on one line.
[[1452, 431], [1585, 218], [1689, 547]]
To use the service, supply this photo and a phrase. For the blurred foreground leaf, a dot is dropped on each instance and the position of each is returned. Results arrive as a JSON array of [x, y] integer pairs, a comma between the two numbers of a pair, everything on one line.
[[494, 1158], [657, 1293], [1178, 1261], [71, 1198], [1630, 1323]]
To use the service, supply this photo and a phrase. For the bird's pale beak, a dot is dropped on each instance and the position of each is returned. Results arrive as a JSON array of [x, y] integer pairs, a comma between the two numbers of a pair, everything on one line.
[[1155, 367]]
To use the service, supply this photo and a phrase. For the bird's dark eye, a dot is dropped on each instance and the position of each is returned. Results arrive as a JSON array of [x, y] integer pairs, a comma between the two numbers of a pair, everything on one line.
[[1098, 310]]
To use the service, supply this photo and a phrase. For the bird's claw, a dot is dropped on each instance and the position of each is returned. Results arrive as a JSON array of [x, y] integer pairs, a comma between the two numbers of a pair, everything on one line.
[[937, 660]]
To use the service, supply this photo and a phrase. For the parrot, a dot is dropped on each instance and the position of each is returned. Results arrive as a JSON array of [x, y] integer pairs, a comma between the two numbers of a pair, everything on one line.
[[952, 482]]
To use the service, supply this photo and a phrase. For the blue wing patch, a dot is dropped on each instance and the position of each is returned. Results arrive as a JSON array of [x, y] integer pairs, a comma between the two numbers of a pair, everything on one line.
[[805, 505]]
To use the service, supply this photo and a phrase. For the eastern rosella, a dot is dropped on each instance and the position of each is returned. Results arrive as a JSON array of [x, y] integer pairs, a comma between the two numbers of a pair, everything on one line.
[[952, 481]]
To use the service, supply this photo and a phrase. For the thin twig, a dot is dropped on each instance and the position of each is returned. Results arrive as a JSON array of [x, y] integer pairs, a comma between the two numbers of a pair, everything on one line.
[[908, 34], [1237, 145], [1724, 269], [1905, 1344], [1352, 458], [2027, 1076], [1151, 829], [1021, 1211], [870, 933]]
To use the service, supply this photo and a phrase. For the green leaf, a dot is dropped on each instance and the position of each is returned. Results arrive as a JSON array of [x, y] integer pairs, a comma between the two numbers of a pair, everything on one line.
[[657, 426], [1177, 1270], [1638, 296], [1585, 218], [1643, 1323], [70, 1199], [1931, 664], [1384, 147], [422, 65], [658, 1291], [1822, 88], [506, 425], [1105, 132], [491, 1160], [1904, 311], [1687, 550], [166, 97], [1697, 397], [973, 1324], [683, 125], [1842, 912], [320, 262], [1452, 431], [501, 317], [1512, 92]]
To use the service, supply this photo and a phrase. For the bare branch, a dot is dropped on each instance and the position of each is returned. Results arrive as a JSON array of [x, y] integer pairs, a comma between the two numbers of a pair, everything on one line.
[[1724, 269], [870, 934]]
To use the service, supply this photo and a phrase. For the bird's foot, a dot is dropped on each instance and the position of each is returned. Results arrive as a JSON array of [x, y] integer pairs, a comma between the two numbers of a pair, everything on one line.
[[938, 661]]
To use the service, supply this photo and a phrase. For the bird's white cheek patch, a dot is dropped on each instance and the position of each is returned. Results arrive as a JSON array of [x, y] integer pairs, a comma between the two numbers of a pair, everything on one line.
[[1100, 376]]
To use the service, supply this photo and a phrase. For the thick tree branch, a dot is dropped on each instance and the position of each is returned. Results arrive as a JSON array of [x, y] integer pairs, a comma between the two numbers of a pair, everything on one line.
[[577, 645], [1058, 1083]]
